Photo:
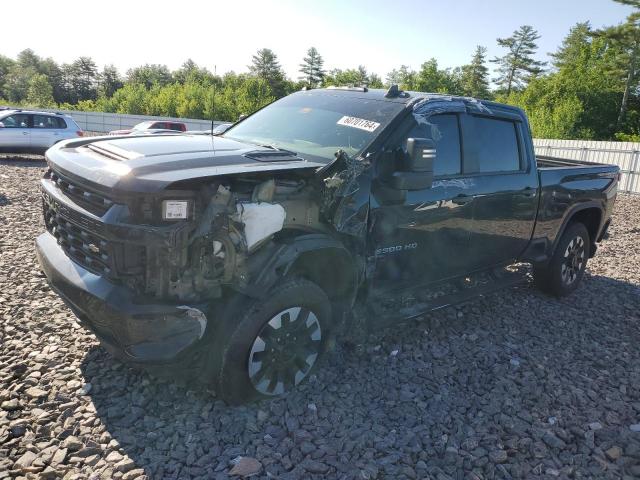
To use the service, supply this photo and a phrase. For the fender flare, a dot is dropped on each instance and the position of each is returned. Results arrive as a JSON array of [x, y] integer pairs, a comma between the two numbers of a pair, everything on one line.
[[267, 266], [571, 212]]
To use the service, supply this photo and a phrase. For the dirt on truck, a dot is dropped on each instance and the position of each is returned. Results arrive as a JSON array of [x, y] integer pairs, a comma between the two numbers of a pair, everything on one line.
[[237, 258]]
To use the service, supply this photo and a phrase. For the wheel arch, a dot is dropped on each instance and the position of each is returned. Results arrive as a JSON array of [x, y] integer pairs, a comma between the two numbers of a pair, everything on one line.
[[590, 214], [319, 258]]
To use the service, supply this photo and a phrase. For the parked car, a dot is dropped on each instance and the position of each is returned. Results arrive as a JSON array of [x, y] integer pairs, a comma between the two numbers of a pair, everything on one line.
[[217, 130], [152, 125], [34, 132], [236, 259]]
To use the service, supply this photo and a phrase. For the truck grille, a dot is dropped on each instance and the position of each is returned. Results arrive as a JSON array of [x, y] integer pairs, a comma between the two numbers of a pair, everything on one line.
[[85, 247], [93, 202]]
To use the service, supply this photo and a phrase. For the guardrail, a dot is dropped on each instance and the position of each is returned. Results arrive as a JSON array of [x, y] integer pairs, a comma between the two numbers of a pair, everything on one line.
[[624, 154]]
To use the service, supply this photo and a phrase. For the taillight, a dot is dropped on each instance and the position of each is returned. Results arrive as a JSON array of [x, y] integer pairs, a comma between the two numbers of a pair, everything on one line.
[[80, 133]]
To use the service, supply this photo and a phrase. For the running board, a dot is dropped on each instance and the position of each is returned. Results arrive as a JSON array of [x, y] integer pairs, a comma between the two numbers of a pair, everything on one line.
[[406, 304]]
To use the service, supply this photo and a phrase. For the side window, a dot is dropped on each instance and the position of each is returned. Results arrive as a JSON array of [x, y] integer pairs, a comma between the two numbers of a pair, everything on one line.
[[45, 121], [444, 131], [19, 120], [59, 122], [490, 145]]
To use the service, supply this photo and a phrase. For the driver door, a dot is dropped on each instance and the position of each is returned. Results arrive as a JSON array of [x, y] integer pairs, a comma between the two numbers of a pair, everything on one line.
[[16, 133], [422, 236]]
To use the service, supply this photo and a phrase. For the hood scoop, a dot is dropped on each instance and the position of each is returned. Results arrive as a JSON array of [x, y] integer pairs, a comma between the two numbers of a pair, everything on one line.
[[273, 156], [113, 152]]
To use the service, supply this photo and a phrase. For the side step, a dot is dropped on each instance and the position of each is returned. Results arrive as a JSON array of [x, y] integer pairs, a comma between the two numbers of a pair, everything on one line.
[[393, 307]]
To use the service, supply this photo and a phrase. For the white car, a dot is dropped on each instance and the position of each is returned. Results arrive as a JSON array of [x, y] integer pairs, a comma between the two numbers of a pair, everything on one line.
[[30, 131]]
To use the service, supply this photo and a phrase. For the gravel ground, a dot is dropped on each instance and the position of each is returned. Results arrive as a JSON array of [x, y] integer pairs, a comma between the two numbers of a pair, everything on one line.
[[514, 385]]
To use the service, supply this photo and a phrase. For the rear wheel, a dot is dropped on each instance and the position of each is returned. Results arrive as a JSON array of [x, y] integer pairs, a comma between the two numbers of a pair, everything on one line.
[[269, 346], [563, 273]]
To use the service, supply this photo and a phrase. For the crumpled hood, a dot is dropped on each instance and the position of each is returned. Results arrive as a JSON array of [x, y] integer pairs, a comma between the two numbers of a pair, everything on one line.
[[149, 163]]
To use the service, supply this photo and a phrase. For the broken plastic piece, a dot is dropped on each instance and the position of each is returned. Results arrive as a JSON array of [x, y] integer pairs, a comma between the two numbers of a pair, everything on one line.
[[260, 220]]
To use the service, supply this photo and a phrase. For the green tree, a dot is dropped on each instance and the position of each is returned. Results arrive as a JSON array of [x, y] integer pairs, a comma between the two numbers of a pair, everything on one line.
[[16, 83], [626, 36], [475, 75], [432, 79], [517, 67], [191, 72], [579, 98], [6, 64], [404, 77], [354, 77], [311, 68], [150, 74], [81, 80], [265, 65], [40, 92], [110, 81]]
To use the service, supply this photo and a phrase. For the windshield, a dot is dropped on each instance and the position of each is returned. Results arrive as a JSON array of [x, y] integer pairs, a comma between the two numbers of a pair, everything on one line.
[[317, 125]]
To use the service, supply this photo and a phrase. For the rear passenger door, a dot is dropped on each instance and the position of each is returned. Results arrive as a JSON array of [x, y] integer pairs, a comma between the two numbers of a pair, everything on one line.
[[497, 158], [47, 130]]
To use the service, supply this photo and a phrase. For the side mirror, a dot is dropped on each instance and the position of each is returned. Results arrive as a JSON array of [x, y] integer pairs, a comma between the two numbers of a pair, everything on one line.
[[417, 173], [1, 125]]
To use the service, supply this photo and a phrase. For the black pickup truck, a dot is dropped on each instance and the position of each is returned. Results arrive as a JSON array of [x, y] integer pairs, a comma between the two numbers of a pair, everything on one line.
[[236, 258]]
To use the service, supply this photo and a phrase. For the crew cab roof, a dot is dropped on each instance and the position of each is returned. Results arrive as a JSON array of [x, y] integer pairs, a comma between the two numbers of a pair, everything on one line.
[[410, 97]]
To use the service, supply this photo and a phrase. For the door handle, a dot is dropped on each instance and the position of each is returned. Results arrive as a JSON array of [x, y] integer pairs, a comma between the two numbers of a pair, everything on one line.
[[25, 133], [530, 192], [462, 199]]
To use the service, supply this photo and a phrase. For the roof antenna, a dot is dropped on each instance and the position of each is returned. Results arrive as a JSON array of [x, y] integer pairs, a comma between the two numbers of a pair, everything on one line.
[[213, 100], [393, 92]]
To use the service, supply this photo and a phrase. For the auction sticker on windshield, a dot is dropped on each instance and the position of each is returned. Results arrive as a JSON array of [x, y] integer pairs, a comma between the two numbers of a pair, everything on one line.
[[360, 123]]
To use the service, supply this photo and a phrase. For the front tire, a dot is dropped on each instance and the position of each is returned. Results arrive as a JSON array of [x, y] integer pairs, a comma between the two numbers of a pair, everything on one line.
[[564, 272], [267, 347]]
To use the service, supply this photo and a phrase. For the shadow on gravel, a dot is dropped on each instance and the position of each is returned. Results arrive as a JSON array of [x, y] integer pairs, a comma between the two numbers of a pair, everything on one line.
[[494, 375], [22, 160], [4, 200]]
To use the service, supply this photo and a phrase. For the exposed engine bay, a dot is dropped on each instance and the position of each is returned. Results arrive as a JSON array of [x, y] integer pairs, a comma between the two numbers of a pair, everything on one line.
[[236, 217]]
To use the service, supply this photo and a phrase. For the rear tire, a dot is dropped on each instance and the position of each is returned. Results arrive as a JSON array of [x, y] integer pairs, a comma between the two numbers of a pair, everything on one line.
[[265, 348], [565, 270]]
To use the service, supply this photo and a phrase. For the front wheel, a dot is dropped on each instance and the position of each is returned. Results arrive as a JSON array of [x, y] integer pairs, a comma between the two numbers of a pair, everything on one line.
[[565, 270], [269, 346]]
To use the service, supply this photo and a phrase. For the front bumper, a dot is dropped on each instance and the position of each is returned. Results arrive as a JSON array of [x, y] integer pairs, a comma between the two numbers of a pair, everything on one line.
[[135, 331]]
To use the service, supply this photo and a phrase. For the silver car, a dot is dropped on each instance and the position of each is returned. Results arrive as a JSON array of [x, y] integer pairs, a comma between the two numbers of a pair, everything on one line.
[[31, 131]]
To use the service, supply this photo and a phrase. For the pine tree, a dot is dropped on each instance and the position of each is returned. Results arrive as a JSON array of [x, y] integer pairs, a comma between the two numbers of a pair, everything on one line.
[[110, 81], [311, 68], [265, 65], [572, 47], [626, 36], [518, 66], [475, 76]]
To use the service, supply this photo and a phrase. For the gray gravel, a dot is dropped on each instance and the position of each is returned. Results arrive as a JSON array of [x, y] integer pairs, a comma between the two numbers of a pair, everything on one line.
[[514, 385]]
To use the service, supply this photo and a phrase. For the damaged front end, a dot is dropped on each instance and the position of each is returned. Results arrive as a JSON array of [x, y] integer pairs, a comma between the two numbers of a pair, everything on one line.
[[142, 279]]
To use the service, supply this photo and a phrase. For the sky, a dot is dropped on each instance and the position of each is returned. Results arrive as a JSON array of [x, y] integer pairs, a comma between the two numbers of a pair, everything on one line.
[[381, 35]]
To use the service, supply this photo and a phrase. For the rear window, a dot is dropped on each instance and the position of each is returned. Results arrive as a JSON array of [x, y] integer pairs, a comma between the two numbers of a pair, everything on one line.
[[175, 126], [490, 145]]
